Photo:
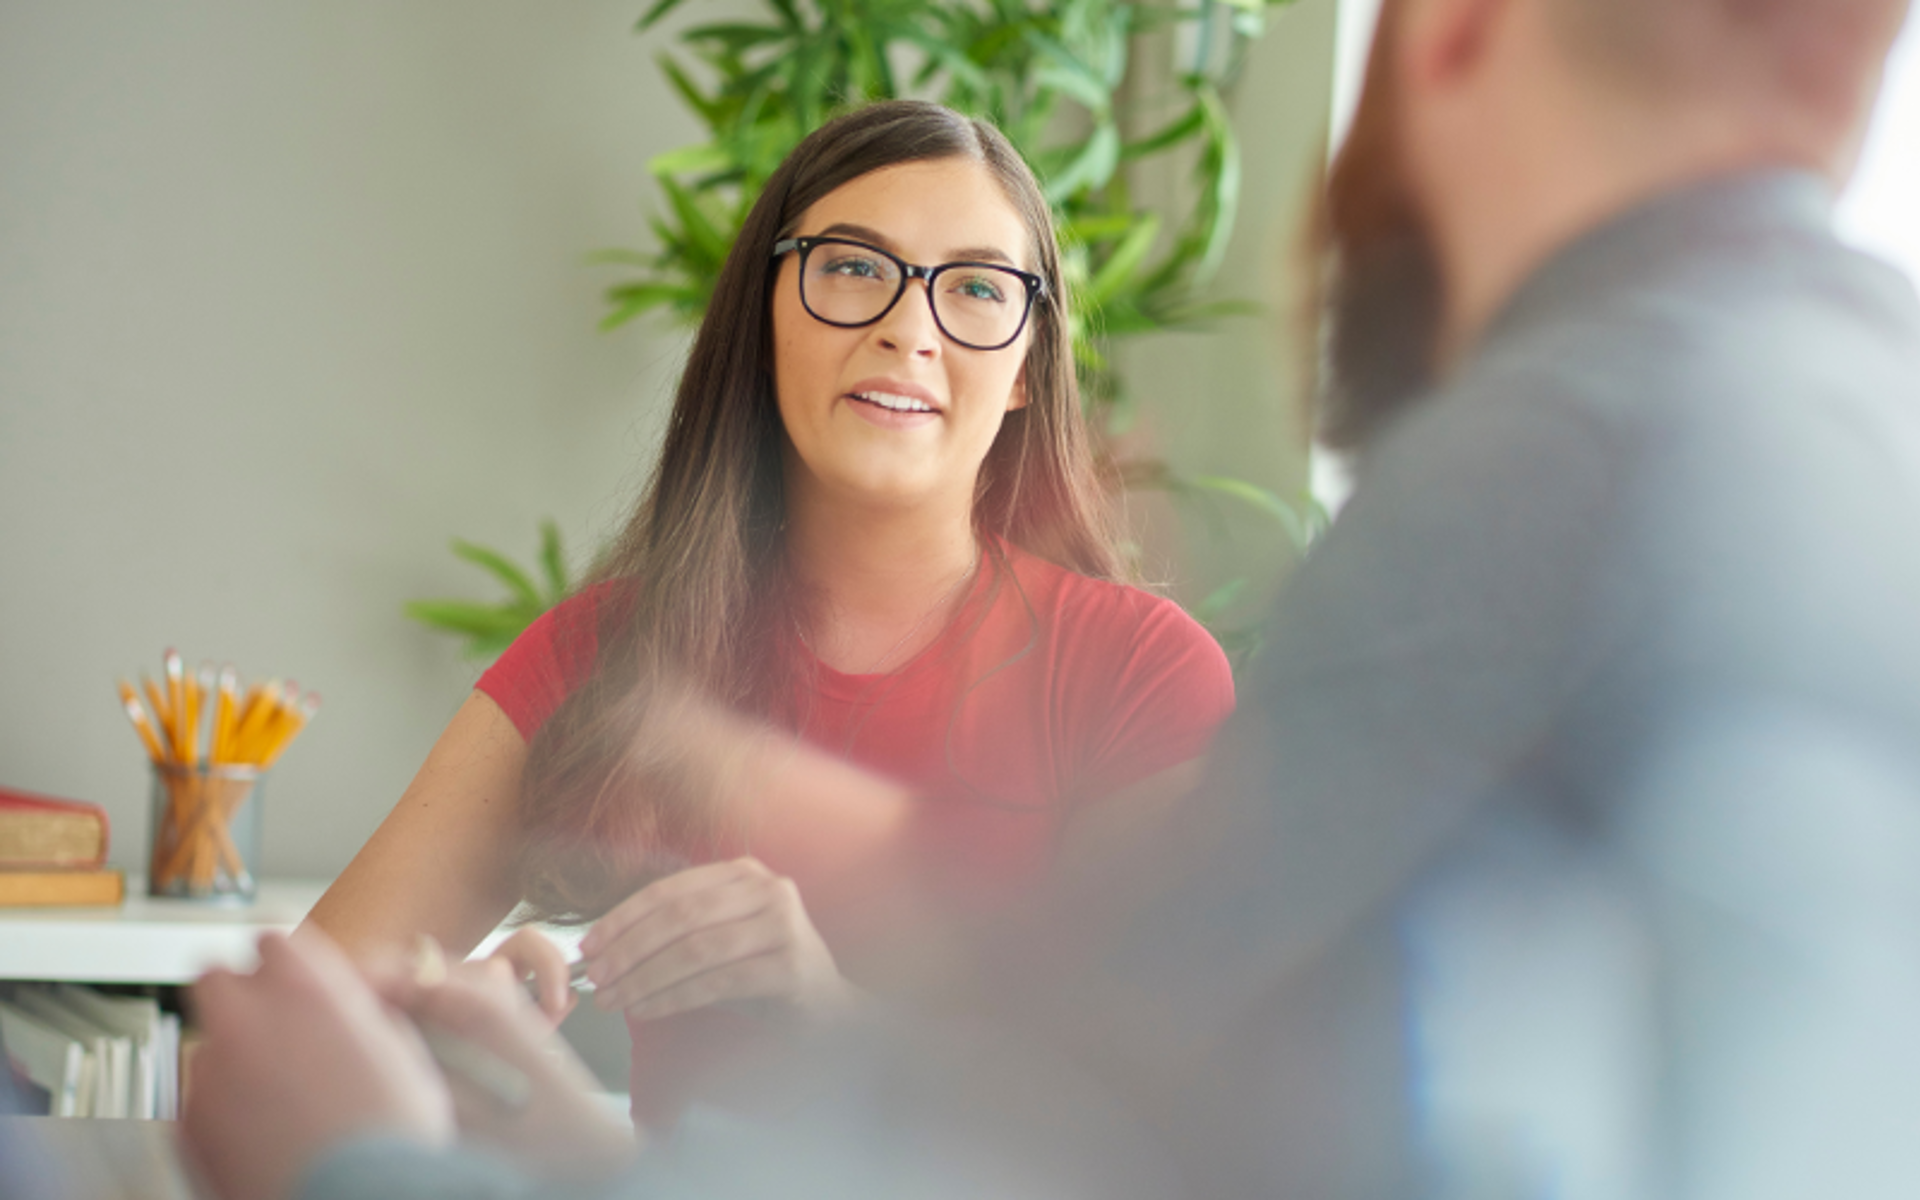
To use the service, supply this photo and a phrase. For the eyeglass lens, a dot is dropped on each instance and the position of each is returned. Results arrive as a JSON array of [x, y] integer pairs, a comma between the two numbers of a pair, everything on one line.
[[977, 306]]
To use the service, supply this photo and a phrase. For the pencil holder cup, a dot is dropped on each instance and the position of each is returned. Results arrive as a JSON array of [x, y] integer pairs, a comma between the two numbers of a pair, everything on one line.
[[206, 832]]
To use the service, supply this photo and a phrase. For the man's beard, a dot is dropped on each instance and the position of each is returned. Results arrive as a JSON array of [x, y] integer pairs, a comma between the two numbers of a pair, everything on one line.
[[1382, 304]]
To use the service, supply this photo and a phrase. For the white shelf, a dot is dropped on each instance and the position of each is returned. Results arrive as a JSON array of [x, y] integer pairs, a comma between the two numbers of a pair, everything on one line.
[[146, 940]]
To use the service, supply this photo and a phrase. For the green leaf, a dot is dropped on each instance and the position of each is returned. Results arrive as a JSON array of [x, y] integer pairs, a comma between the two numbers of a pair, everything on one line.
[[1261, 500], [709, 244], [735, 36], [1125, 260], [1091, 168], [689, 160], [660, 9], [500, 567], [1224, 193], [554, 560], [1101, 228], [950, 58], [631, 300], [1172, 134], [708, 110], [463, 616], [1220, 600]]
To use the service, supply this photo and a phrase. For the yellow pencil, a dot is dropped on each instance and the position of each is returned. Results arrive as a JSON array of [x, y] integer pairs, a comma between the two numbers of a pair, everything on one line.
[[190, 721], [138, 715], [296, 721], [223, 716], [259, 715], [160, 715], [203, 699], [177, 704]]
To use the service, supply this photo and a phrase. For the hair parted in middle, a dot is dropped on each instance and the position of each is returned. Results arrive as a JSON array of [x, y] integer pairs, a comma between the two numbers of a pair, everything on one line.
[[697, 595]]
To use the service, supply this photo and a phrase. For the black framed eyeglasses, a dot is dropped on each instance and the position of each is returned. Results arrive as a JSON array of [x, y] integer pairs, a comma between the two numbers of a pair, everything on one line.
[[982, 306]]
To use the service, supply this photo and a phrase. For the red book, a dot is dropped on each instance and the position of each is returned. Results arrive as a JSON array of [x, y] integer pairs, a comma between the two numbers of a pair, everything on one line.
[[38, 831]]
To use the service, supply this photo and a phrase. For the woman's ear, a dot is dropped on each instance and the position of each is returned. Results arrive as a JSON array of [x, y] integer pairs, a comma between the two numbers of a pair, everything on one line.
[[1017, 398]]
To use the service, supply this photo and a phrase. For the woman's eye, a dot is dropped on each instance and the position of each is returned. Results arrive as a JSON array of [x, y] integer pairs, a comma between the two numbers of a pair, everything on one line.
[[852, 266], [979, 287]]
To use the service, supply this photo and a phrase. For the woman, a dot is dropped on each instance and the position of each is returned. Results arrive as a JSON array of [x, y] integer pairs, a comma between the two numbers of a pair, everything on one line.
[[875, 524]]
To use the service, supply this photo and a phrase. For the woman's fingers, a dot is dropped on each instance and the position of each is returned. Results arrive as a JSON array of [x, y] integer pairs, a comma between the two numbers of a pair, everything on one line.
[[647, 940], [696, 954], [694, 946], [759, 977], [680, 896]]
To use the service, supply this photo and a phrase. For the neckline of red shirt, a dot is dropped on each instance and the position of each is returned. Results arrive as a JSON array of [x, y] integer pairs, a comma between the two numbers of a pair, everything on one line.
[[916, 673]]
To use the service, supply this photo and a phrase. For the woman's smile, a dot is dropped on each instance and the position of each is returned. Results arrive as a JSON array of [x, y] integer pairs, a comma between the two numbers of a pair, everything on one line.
[[892, 404]]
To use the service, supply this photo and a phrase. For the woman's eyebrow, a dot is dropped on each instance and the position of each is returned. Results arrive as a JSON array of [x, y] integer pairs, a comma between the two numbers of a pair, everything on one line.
[[864, 234]]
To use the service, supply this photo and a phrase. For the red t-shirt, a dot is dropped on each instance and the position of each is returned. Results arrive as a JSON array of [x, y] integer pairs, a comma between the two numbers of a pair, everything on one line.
[[1047, 689]]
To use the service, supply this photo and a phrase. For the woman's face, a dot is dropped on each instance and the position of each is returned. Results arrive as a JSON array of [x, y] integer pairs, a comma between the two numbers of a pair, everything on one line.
[[895, 412]]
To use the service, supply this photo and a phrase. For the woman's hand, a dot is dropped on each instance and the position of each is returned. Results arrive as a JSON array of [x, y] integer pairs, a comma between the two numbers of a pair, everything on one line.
[[530, 956], [715, 934]]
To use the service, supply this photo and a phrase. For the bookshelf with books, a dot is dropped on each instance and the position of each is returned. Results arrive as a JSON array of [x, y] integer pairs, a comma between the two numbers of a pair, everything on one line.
[[90, 996]]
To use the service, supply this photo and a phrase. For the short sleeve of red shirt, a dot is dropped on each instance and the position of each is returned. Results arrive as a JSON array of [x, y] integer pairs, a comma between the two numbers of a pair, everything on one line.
[[1144, 685], [551, 658]]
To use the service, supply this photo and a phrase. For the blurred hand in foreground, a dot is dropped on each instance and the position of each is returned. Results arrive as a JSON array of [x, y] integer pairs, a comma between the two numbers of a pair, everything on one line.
[[562, 1132], [529, 956], [296, 1058], [722, 933]]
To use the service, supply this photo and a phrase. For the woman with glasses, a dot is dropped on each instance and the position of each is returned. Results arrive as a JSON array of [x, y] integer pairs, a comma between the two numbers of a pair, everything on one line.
[[875, 525]]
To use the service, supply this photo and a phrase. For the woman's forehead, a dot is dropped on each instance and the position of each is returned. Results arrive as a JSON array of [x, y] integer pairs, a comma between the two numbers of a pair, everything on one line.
[[927, 212]]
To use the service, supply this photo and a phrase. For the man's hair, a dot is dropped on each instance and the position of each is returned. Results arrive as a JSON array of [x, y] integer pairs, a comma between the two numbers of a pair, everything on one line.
[[1817, 58]]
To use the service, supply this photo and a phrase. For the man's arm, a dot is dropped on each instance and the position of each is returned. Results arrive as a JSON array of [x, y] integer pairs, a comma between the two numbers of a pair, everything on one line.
[[1419, 658]]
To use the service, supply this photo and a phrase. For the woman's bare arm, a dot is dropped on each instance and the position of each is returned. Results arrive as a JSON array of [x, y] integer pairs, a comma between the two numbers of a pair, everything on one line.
[[442, 861]]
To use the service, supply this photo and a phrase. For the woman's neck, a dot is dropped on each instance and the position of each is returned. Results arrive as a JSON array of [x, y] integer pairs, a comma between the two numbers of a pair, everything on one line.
[[876, 577]]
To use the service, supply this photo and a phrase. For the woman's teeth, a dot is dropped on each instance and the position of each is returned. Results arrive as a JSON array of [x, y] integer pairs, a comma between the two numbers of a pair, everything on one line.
[[896, 403]]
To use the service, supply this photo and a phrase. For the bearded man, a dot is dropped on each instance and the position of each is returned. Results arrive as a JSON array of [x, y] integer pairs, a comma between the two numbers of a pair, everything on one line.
[[1568, 840]]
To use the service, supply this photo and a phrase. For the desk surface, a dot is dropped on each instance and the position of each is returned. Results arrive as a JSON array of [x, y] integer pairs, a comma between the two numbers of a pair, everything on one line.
[[146, 940]]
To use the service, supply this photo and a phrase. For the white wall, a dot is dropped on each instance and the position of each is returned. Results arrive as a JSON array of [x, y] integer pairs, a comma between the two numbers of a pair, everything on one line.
[[290, 294]]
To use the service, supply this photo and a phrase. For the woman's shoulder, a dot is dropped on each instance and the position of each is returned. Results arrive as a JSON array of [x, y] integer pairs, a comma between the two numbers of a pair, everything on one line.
[[553, 655], [1145, 682], [1107, 626], [1102, 603]]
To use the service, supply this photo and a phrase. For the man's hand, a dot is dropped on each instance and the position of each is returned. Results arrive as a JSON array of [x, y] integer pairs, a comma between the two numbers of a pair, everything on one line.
[[531, 955], [296, 1058], [721, 933], [562, 1131]]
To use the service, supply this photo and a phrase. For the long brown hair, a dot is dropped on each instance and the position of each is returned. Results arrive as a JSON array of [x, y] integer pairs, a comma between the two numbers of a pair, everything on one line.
[[693, 594]]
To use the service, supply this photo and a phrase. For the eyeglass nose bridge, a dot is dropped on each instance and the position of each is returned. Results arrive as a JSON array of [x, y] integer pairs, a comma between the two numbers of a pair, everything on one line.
[[909, 273]]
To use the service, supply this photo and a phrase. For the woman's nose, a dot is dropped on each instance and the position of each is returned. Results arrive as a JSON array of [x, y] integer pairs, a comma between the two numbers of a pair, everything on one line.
[[909, 325]]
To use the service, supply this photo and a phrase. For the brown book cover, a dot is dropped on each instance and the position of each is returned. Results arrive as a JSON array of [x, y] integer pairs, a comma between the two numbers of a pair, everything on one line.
[[60, 888], [39, 831]]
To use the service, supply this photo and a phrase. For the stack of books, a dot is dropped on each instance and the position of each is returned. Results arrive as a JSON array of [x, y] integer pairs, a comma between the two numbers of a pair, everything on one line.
[[84, 1053], [54, 852]]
